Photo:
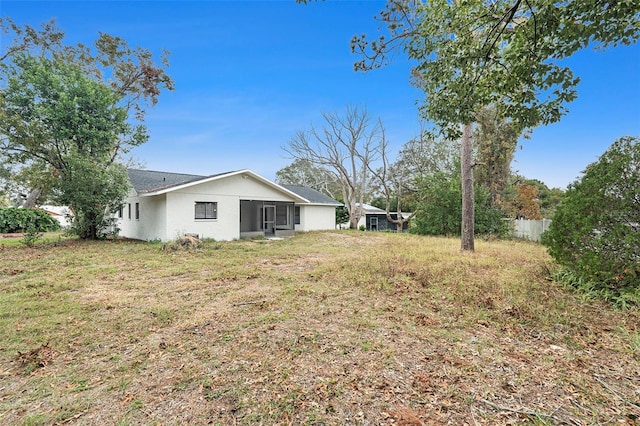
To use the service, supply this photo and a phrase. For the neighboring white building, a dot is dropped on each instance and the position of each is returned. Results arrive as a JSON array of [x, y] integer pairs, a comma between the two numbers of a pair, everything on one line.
[[62, 214], [224, 207], [316, 215]]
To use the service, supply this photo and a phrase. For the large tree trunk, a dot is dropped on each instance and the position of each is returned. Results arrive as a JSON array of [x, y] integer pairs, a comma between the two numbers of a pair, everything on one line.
[[32, 199], [468, 213], [353, 221]]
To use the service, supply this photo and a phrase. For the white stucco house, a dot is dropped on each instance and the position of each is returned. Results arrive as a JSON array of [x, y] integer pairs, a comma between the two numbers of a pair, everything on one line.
[[226, 206], [62, 214]]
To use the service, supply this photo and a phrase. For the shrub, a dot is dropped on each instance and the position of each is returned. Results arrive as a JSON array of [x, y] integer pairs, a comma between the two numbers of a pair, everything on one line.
[[14, 219], [441, 209], [595, 233]]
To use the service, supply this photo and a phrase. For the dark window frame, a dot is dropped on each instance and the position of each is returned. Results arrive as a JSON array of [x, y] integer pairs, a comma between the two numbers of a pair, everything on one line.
[[210, 211], [296, 215]]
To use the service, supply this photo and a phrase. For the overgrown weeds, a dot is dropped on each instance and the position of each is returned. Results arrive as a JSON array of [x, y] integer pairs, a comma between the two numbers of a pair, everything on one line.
[[323, 328], [622, 298]]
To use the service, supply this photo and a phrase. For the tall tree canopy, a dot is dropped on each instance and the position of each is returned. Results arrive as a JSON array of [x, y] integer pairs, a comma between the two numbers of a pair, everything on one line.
[[426, 156], [501, 53], [68, 113], [65, 125]]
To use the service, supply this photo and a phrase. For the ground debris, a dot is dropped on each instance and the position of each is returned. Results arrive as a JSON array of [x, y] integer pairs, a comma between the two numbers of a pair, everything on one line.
[[317, 330], [39, 357]]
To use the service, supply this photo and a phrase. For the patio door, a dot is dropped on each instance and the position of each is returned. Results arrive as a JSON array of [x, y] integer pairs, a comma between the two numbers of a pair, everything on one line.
[[269, 219]]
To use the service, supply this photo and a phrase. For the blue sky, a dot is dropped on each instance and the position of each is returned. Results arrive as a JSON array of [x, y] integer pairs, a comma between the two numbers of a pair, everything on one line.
[[249, 74]]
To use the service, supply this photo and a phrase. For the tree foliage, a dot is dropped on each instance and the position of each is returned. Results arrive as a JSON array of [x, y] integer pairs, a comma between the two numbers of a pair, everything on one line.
[[94, 192], [426, 156], [495, 144], [502, 53], [525, 204], [505, 54], [13, 219], [548, 198], [418, 158], [440, 208], [596, 230], [69, 113], [50, 108], [56, 119]]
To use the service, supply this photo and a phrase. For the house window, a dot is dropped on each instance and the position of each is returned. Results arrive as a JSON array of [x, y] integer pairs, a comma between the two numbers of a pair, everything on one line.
[[120, 211], [296, 215], [206, 210], [282, 214], [129, 211], [137, 211]]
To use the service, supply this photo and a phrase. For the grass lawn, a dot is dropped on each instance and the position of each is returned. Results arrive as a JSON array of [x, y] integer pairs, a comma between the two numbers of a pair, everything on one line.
[[320, 329]]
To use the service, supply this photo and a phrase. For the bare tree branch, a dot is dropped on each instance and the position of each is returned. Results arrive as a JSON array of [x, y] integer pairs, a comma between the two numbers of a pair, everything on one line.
[[344, 146]]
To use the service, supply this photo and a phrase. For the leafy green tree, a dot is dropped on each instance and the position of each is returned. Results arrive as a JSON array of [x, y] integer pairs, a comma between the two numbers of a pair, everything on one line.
[[440, 208], [595, 233], [55, 117], [425, 156], [550, 199], [342, 215], [93, 191], [504, 53], [66, 110], [419, 157]]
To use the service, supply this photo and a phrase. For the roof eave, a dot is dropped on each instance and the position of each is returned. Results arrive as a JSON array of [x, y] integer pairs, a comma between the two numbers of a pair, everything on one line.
[[223, 176], [324, 204]]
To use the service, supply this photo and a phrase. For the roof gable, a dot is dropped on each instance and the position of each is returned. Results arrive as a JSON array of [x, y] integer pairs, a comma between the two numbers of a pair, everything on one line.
[[146, 182]]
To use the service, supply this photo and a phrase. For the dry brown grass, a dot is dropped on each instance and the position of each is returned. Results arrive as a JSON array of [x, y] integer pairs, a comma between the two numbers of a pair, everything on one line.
[[324, 328]]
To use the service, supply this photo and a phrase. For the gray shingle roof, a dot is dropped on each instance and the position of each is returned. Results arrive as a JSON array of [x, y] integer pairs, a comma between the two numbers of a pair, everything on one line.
[[148, 180], [144, 181], [314, 197]]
